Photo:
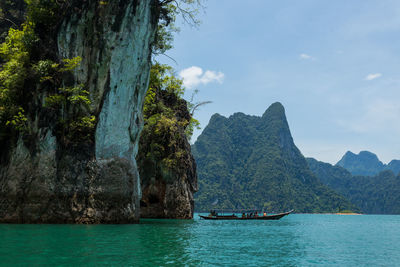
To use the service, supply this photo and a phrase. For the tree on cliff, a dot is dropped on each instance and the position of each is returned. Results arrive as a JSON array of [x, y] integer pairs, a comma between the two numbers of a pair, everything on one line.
[[166, 165], [167, 168], [31, 66], [71, 90]]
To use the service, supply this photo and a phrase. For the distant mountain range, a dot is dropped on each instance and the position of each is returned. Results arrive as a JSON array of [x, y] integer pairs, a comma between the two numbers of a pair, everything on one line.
[[248, 161], [366, 163], [379, 194]]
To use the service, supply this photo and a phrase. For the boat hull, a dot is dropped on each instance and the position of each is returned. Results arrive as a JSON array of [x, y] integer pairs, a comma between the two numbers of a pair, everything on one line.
[[267, 217]]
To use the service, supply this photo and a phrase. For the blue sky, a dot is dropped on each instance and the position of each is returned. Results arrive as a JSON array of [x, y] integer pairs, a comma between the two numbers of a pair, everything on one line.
[[334, 65]]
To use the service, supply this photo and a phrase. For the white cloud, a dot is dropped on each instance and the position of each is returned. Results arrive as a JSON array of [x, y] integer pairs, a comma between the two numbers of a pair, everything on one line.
[[195, 76], [373, 76], [306, 57]]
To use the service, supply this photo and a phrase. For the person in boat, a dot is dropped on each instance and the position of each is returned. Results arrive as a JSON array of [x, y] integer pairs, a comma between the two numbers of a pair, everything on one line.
[[243, 215], [256, 215], [265, 214]]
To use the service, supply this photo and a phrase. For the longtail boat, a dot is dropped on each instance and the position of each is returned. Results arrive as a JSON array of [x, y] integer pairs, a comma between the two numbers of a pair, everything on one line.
[[215, 216]]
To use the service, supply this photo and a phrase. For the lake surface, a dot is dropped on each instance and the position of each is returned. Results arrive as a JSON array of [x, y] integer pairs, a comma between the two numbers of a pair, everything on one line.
[[296, 240]]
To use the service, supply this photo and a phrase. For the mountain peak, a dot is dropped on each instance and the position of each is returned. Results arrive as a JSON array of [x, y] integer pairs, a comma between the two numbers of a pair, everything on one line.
[[216, 117], [367, 154], [252, 161], [275, 109], [348, 154], [363, 163]]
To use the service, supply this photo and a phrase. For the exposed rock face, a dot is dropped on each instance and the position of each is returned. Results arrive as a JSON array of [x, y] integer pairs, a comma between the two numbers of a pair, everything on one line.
[[167, 191], [114, 45], [98, 182]]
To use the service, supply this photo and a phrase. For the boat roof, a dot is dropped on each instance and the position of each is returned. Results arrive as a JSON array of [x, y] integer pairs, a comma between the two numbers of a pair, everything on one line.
[[235, 210]]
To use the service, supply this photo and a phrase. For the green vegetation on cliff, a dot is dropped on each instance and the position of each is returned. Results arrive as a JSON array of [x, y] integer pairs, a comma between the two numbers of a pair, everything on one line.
[[33, 78], [247, 161], [166, 120], [166, 166], [73, 78], [68, 61], [167, 116], [379, 194]]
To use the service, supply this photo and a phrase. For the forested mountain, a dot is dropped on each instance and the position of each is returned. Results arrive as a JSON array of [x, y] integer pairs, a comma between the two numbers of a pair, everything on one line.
[[366, 163], [248, 161], [378, 194], [394, 166]]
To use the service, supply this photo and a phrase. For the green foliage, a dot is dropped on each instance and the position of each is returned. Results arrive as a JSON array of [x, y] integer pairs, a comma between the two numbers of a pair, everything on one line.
[[45, 13], [251, 162], [18, 120], [162, 78], [164, 126], [18, 43], [193, 124], [45, 69], [377, 194], [18, 68], [76, 95], [70, 64], [81, 128], [15, 51], [164, 37]]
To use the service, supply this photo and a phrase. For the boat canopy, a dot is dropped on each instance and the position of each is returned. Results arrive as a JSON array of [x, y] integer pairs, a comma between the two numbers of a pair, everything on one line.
[[236, 210]]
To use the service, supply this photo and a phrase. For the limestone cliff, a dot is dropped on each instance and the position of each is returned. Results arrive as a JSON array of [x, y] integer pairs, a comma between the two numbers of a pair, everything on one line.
[[46, 180], [167, 168]]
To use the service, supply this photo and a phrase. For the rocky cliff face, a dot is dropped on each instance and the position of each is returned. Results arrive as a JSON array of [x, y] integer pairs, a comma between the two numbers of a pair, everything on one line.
[[94, 182], [167, 168]]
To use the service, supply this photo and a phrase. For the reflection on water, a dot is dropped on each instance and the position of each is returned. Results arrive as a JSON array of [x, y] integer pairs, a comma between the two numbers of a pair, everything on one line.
[[296, 240]]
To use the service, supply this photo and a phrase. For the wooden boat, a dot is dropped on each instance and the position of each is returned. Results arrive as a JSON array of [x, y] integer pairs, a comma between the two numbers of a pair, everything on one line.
[[235, 217]]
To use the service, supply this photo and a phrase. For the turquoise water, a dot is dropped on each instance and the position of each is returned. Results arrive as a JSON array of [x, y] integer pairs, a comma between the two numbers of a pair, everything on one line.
[[296, 240]]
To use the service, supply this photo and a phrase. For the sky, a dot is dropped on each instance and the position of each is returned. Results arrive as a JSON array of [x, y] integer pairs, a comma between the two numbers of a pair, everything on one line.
[[334, 65]]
